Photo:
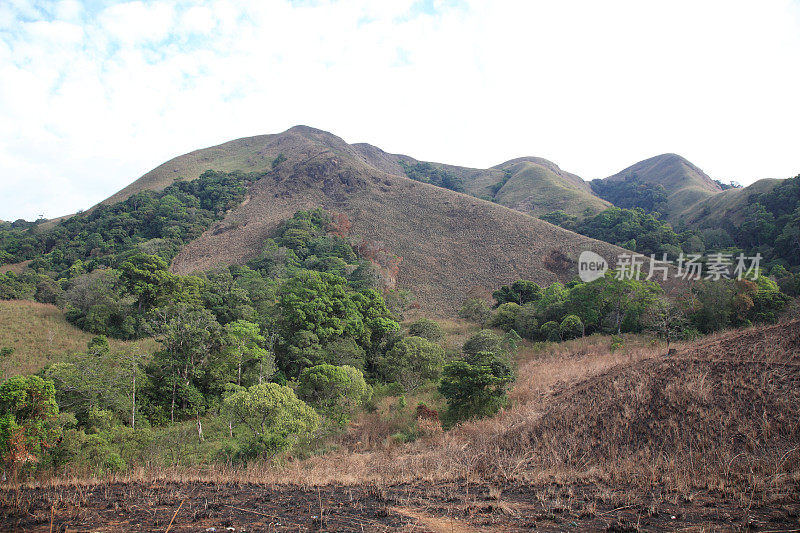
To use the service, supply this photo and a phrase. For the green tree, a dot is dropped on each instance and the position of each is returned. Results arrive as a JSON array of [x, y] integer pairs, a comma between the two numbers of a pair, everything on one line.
[[485, 340], [427, 329], [475, 387], [28, 411], [476, 310], [272, 417], [571, 327], [412, 361], [520, 292], [187, 335], [505, 317], [244, 346], [337, 391], [667, 319], [550, 331], [147, 277]]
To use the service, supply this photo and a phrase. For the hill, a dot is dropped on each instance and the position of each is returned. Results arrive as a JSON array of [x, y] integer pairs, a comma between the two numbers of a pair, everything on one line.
[[684, 183], [448, 241], [39, 334], [537, 186], [728, 205]]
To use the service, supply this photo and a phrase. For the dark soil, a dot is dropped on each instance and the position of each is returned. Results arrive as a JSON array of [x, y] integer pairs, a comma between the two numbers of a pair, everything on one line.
[[441, 507]]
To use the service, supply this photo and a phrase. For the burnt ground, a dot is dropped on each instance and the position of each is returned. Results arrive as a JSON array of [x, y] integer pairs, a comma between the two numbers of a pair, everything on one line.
[[440, 507]]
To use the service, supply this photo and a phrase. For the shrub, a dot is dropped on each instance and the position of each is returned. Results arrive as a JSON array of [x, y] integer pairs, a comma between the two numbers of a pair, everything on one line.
[[475, 387], [483, 341], [476, 310], [505, 317], [526, 323], [550, 331]]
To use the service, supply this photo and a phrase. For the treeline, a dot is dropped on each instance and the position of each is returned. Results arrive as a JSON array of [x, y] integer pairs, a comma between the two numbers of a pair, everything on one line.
[[770, 225], [614, 306], [158, 223], [427, 173], [630, 193]]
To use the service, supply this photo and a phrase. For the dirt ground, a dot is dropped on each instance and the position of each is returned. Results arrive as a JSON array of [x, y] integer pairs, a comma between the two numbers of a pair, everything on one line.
[[441, 507]]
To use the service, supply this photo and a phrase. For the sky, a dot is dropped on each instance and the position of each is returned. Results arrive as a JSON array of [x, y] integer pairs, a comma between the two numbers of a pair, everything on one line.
[[94, 93]]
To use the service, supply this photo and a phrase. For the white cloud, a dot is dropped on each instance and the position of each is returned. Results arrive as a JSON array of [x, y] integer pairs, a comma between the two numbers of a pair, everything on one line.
[[90, 100]]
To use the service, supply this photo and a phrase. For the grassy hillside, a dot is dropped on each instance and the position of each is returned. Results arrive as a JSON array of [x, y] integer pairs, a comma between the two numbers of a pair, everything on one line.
[[537, 186], [448, 242], [685, 183], [727, 205], [39, 334]]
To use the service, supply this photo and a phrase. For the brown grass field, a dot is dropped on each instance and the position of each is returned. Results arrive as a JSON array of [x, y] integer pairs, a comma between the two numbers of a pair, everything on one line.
[[39, 334], [705, 439]]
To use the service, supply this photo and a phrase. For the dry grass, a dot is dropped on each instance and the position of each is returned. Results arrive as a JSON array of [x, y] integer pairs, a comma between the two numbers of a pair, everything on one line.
[[449, 242], [39, 334], [582, 415]]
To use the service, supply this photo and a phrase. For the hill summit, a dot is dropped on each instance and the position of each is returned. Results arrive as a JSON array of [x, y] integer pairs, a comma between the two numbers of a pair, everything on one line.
[[444, 243]]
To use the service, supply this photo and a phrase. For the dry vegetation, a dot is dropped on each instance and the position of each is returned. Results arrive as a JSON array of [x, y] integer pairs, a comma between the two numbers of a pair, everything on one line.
[[39, 334], [449, 242], [627, 440]]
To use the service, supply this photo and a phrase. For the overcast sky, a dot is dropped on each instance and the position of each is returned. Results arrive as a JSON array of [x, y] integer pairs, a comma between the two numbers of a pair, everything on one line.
[[93, 94]]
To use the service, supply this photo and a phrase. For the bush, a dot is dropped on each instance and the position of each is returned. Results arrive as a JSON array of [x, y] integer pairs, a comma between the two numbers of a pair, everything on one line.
[[526, 323], [476, 310], [483, 341], [550, 331], [505, 317]]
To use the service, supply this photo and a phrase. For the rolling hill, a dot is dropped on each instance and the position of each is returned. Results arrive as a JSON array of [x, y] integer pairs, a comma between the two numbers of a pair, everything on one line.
[[685, 184], [537, 186], [449, 242], [728, 205]]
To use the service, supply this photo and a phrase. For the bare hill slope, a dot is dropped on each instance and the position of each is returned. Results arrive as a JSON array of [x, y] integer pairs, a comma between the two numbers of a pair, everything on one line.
[[449, 242]]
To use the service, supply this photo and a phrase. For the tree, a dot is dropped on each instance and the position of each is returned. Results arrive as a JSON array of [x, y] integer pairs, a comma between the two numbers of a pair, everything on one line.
[[666, 319], [427, 329], [337, 391], [272, 416], [147, 277], [485, 340], [520, 292], [526, 323], [475, 309], [475, 387], [187, 335], [571, 327], [505, 316], [28, 410], [550, 331], [320, 303], [412, 361], [244, 345]]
